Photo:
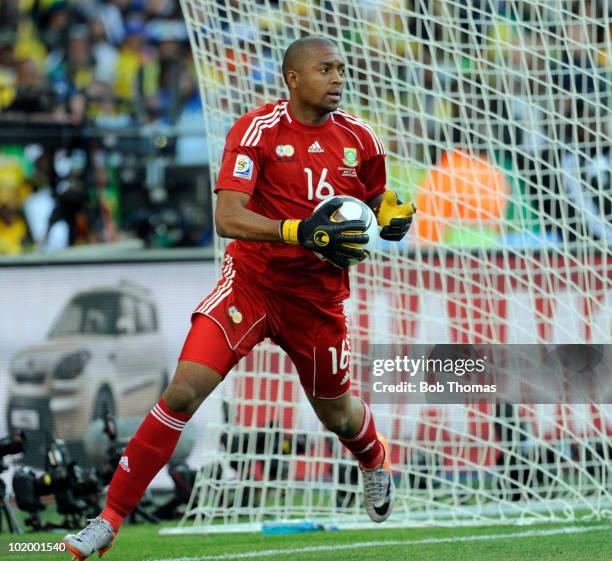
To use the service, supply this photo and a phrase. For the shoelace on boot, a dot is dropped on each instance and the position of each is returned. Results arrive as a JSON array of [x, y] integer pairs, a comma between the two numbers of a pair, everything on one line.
[[377, 485], [88, 534]]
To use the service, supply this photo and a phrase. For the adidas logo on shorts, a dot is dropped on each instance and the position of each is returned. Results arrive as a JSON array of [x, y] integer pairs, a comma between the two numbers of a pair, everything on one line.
[[123, 462], [315, 147]]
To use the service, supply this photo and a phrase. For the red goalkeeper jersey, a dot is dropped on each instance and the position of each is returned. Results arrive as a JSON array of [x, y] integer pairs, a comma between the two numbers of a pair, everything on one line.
[[288, 168]]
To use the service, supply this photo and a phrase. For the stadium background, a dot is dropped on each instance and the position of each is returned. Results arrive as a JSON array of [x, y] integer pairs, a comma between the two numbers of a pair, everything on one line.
[[100, 130], [117, 81]]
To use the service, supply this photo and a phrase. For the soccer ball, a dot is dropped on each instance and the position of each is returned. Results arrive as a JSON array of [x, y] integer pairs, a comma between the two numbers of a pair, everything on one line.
[[354, 209]]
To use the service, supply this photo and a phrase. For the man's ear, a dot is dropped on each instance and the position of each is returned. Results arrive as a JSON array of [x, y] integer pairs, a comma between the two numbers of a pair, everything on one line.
[[292, 79]]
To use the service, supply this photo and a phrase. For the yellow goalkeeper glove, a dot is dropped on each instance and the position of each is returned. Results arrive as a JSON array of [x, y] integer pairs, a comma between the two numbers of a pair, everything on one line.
[[394, 217]]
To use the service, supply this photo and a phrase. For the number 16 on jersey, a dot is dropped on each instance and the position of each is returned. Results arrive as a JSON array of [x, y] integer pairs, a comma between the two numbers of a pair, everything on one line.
[[324, 189]]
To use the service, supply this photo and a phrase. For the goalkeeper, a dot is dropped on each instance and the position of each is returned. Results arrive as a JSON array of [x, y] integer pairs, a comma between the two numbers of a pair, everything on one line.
[[279, 162]]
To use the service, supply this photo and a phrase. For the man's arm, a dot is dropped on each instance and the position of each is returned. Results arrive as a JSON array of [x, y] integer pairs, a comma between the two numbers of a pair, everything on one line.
[[233, 220], [317, 232]]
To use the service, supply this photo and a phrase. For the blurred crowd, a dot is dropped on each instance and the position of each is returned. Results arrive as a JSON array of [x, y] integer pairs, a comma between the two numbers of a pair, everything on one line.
[[94, 66], [113, 61], [504, 114]]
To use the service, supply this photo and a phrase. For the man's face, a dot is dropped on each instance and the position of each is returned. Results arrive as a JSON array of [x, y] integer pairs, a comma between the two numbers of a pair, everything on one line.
[[320, 80]]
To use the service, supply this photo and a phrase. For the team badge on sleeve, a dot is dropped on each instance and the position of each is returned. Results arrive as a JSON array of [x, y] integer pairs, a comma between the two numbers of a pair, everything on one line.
[[243, 167], [234, 314]]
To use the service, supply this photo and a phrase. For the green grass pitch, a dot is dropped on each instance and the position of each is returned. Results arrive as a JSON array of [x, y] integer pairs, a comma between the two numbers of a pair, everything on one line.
[[585, 541]]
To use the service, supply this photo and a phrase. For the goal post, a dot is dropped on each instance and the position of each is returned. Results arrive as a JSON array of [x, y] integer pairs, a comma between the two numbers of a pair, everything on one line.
[[496, 121]]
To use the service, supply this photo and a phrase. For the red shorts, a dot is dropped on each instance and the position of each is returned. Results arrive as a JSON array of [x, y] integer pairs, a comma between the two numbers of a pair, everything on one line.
[[240, 313]]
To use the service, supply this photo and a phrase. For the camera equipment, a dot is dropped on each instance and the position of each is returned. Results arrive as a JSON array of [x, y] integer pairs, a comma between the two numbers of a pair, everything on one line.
[[76, 490], [12, 444], [29, 487], [67, 479], [115, 448], [183, 478]]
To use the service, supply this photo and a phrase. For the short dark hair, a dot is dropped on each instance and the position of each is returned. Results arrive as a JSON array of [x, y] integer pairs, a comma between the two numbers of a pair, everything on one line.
[[296, 50]]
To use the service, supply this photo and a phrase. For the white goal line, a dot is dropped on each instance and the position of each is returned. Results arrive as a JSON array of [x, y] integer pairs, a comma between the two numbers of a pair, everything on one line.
[[387, 543]]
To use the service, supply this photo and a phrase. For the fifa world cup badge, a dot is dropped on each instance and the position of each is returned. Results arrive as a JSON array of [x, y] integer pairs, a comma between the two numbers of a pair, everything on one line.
[[350, 157], [285, 150], [235, 314], [243, 167]]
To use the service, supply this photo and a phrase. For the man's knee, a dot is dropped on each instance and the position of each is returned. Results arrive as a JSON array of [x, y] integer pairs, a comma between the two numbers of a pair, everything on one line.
[[338, 422], [341, 427], [191, 385], [342, 415], [181, 397]]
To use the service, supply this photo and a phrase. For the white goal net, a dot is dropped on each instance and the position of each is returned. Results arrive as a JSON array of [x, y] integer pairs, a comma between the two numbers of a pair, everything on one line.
[[496, 122]]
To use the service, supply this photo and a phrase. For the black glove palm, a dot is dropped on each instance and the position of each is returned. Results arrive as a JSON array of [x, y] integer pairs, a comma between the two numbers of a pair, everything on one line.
[[320, 234]]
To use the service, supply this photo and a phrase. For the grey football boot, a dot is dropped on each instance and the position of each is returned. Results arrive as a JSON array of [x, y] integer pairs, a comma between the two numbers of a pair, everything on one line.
[[98, 536], [378, 487]]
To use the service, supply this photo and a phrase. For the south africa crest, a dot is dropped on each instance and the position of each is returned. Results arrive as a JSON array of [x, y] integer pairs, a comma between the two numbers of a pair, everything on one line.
[[350, 157]]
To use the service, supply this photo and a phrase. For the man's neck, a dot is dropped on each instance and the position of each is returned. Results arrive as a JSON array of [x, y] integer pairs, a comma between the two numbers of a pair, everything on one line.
[[307, 115]]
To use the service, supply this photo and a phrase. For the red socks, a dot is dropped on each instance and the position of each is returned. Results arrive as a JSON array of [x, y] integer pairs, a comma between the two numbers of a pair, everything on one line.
[[151, 447], [365, 445], [147, 452]]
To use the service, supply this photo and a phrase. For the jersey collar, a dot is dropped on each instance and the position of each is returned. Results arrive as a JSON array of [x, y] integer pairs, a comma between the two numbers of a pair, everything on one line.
[[294, 123]]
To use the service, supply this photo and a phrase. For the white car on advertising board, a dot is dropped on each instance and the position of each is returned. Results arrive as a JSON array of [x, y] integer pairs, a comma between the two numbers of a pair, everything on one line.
[[105, 352]]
